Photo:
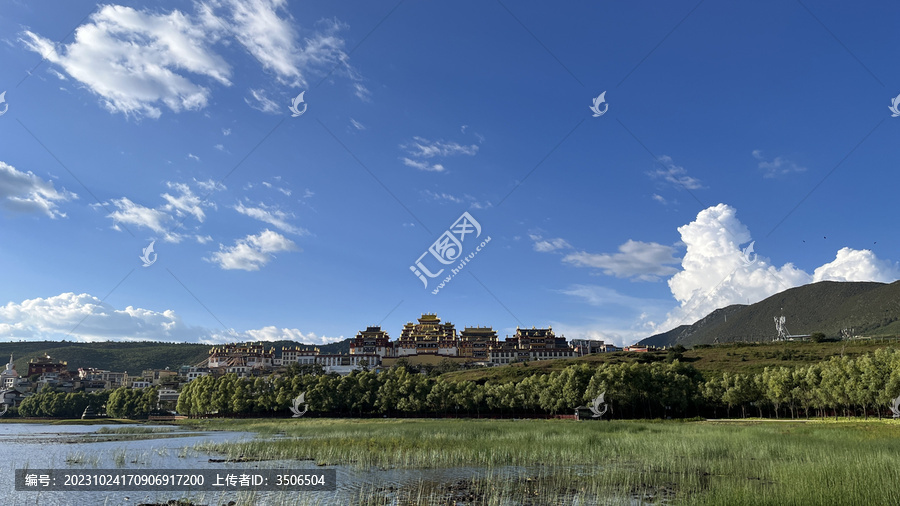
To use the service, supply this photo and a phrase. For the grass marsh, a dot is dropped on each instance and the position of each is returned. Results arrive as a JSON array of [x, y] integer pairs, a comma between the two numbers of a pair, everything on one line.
[[752, 463]]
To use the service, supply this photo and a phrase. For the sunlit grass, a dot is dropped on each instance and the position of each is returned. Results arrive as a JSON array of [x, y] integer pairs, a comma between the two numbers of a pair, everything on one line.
[[692, 462]]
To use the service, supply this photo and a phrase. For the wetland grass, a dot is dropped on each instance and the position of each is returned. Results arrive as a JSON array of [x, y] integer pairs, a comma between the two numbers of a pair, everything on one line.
[[748, 463]]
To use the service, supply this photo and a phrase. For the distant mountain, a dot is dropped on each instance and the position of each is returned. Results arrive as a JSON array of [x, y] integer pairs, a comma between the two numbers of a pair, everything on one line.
[[133, 357], [869, 309]]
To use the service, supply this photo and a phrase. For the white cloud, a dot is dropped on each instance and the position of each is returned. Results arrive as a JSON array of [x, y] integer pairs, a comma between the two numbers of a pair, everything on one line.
[[419, 150], [646, 261], [857, 265], [423, 148], [261, 102], [422, 165], [87, 318], [271, 215], [272, 333], [547, 245], [193, 157], [659, 198], [267, 31], [220, 147], [357, 125], [675, 174], [226, 132], [184, 202], [466, 199], [130, 213], [136, 60], [716, 274], [777, 167], [252, 252], [58, 75], [83, 317], [209, 185], [24, 192], [161, 220], [362, 92]]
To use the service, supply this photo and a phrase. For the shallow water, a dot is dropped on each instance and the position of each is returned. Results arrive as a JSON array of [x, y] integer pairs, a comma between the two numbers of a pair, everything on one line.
[[74, 447]]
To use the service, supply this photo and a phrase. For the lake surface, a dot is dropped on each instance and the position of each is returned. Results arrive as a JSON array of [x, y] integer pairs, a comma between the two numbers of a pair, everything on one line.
[[75, 447]]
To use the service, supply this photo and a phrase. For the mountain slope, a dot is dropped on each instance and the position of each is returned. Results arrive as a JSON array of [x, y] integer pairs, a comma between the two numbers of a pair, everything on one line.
[[828, 306]]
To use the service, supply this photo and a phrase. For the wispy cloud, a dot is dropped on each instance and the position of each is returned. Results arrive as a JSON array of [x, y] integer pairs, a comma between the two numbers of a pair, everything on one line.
[[547, 245], [675, 175], [271, 215], [777, 167], [466, 199], [259, 101], [420, 150]]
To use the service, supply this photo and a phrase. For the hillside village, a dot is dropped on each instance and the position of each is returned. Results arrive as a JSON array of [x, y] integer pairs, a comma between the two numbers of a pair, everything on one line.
[[428, 342]]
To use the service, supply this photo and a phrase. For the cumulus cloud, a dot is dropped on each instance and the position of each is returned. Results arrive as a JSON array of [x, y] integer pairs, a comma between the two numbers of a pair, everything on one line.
[[777, 167], [675, 175], [252, 252], [83, 317], [87, 318], [421, 150], [857, 265], [716, 272], [24, 192], [271, 215], [646, 261]]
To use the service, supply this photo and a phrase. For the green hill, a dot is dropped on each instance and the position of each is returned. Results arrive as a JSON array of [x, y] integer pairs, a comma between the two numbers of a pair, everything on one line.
[[869, 309], [132, 357]]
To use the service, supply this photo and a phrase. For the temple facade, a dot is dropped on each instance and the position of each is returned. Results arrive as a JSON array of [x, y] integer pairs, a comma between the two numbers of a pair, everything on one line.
[[430, 337]]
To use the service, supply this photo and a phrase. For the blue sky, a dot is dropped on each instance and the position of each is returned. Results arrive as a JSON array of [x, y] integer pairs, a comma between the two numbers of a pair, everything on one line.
[[727, 125]]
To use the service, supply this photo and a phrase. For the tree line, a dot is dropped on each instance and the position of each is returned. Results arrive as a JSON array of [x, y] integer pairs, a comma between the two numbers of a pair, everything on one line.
[[846, 386], [840, 386], [119, 403]]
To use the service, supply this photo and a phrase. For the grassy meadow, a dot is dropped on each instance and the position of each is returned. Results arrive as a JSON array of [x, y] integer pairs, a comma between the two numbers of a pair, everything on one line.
[[710, 360], [595, 462]]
